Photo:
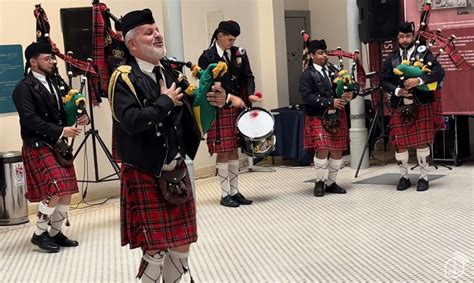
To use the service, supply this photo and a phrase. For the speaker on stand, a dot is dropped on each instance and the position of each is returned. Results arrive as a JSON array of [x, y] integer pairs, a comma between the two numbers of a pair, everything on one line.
[[378, 19], [76, 26]]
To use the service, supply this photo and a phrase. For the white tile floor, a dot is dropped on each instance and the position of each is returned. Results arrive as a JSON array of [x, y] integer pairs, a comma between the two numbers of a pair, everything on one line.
[[373, 233]]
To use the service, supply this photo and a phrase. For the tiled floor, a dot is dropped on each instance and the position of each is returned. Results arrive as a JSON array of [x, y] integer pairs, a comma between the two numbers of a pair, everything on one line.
[[373, 233]]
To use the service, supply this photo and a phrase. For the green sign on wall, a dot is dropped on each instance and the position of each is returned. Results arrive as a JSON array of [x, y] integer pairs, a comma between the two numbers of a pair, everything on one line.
[[11, 72]]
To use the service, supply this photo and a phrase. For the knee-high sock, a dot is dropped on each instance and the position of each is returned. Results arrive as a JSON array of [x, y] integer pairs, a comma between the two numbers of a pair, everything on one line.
[[234, 176], [223, 177], [174, 266], [402, 160], [57, 219], [44, 214], [154, 268], [421, 155], [333, 167], [321, 166]]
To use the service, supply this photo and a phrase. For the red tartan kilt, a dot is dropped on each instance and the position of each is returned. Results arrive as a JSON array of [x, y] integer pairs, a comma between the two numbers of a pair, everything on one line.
[[438, 111], [147, 219], [419, 133], [228, 131], [316, 137], [41, 169]]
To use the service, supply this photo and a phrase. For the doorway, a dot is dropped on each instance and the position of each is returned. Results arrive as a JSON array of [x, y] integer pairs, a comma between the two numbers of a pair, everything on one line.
[[295, 22]]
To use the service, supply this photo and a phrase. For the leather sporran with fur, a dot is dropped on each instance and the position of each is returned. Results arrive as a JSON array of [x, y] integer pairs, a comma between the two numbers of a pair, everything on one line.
[[63, 153], [176, 185], [408, 113], [332, 122]]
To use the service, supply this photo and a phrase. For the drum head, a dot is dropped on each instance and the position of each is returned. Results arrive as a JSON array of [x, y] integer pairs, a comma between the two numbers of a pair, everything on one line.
[[255, 123]]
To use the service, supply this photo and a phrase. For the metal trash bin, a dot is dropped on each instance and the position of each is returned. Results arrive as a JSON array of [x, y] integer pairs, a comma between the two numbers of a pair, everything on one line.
[[13, 204]]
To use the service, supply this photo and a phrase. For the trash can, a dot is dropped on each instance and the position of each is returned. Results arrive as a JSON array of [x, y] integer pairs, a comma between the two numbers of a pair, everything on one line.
[[13, 204]]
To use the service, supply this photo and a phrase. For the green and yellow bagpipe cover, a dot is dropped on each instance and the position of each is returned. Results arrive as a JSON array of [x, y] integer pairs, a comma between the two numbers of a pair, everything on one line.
[[72, 101], [204, 112], [344, 82], [406, 70]]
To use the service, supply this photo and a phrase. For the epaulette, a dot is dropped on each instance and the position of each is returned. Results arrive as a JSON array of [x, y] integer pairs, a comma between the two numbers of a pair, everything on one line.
[[122, 71]]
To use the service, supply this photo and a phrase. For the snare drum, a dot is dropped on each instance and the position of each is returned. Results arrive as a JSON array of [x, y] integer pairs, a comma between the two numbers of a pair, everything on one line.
[[255, 126]]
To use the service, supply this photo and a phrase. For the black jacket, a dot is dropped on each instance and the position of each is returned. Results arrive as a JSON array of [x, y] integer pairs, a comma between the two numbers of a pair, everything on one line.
[[152, 126], [390, 81], [40, 118], [239, 79], [316, 91]]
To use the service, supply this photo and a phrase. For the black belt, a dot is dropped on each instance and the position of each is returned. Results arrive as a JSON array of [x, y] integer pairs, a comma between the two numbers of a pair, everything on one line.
[[33, 143]]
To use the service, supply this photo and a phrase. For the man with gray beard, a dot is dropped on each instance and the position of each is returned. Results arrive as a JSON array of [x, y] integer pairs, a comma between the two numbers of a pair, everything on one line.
[[156, 130]]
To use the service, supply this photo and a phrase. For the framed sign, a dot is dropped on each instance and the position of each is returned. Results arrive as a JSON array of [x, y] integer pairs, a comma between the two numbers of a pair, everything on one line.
[[11, 72]]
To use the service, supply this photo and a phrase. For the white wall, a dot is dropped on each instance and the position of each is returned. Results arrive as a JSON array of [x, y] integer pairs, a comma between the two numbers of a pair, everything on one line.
[[328, 21], [296, 5]]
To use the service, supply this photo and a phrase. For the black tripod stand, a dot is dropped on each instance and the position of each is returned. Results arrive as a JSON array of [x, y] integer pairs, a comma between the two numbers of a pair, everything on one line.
[[94, 134], [377, 123]]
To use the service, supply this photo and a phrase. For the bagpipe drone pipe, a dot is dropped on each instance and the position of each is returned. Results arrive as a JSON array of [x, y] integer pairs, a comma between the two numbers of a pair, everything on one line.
[[418, 63]]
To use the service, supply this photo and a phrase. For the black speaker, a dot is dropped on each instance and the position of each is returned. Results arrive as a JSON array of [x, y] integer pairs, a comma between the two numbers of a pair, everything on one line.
[[444, 144], [76, 25], [378, 19]]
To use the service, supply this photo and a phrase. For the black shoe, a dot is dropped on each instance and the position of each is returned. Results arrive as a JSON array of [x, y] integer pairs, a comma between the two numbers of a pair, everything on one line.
[[335, 189], [319, 189], [422, 185], [403, 184], [229, 202], [45, 242], [238, 197], [63, 241]]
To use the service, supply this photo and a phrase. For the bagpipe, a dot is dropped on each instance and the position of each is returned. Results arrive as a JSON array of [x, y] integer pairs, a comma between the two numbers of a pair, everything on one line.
[[354, 56], [43, 35], [417, 64], [204, 112], [108, 48], [73, 100], [344, 81]]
